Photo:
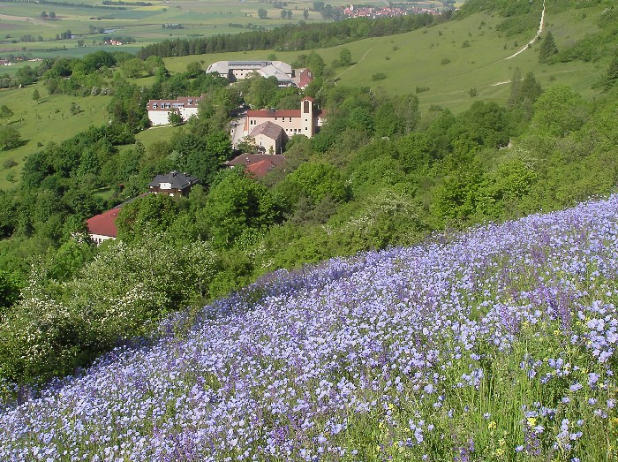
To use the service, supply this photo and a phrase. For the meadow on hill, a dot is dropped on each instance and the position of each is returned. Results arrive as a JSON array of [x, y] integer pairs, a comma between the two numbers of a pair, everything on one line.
[[495, 344], [387, 170]]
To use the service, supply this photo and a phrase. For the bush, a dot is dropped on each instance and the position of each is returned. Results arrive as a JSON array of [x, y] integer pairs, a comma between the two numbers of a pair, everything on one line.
[[378, 76]]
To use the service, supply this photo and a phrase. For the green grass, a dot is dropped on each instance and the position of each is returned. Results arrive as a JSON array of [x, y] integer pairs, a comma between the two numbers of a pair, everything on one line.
[[199, 18], [44, 122], [415, 59]]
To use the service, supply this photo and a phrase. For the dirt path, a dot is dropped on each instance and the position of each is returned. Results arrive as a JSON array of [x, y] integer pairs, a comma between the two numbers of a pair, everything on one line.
[[354, 65], [538, 33]]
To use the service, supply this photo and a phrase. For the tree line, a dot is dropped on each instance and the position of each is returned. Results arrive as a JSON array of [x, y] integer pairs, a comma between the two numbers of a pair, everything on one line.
[[291, 37]]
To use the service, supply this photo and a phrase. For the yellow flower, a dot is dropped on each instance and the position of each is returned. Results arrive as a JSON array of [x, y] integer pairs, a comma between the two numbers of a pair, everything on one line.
[[531, 421], [492, 425]]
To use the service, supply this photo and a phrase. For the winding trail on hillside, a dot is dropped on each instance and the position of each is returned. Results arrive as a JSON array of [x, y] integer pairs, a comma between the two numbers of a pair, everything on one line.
[[337, 77], [538, 34]]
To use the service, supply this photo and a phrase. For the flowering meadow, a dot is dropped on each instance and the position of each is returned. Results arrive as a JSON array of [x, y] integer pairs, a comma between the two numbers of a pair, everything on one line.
[[497, 344]]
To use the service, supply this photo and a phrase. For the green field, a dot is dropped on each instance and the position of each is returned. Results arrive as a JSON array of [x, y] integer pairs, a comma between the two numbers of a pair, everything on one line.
[[48, 120], [415, 59], [143, 23]]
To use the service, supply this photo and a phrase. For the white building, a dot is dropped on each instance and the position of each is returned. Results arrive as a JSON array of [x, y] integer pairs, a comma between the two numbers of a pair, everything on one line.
[[261, 124], [238, 70], [159, 109]]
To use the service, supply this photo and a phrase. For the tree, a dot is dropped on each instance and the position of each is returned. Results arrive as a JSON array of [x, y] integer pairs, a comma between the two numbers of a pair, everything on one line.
[[558, 111], [132, 68], [9, 290], [345, 57], [236, 205], [9, 138], [174, 118], [35, 95], [262, 13], [548, 48], [52, 14], [306, 14], [5, 111]]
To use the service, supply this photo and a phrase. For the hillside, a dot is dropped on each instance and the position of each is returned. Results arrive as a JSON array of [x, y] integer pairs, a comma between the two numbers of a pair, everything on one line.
[[496, 344], [475, 47], [475, 51]]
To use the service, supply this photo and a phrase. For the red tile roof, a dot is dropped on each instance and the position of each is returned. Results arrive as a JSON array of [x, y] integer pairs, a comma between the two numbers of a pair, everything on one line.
[[261, 168], [104, 224], [305, 78], [257, 165], [270, 113]]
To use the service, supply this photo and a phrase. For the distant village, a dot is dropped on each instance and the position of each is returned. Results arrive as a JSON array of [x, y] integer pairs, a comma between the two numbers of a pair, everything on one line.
[[266, 130], [386, 12]]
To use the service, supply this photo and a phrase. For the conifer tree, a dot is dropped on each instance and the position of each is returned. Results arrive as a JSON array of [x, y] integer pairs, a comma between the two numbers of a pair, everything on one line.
[[548, 48]]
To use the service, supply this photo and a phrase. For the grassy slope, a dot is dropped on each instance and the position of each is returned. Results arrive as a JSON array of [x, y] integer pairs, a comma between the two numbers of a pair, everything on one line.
[[414, 59], [49, 120]]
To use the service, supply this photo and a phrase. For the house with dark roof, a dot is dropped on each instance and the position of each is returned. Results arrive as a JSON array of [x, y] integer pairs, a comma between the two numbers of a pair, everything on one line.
[[103, 226], [173, 184], [257, 165]]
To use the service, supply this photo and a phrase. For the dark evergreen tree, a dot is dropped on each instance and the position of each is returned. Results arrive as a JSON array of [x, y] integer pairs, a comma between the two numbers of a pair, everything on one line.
[[548, 48]]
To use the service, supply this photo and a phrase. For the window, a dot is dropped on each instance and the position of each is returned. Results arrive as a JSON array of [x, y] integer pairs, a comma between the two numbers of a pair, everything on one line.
[[306, 106]]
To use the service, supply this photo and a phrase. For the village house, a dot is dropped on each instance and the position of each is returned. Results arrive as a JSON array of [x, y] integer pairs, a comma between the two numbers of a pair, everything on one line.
[[159, 109], [257, 165], [302, 78], [269, 137], [103, 226], [173, 184]]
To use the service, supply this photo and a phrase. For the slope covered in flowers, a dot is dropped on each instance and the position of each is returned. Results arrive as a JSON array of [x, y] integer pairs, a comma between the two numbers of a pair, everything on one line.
[[498, 344]]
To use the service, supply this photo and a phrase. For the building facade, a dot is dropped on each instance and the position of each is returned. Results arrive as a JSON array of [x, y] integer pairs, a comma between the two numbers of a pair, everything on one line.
[[159, 109], [302, 121]]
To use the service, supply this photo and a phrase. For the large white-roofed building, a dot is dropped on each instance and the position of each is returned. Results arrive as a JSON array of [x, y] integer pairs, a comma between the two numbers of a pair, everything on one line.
[[238, 70]]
